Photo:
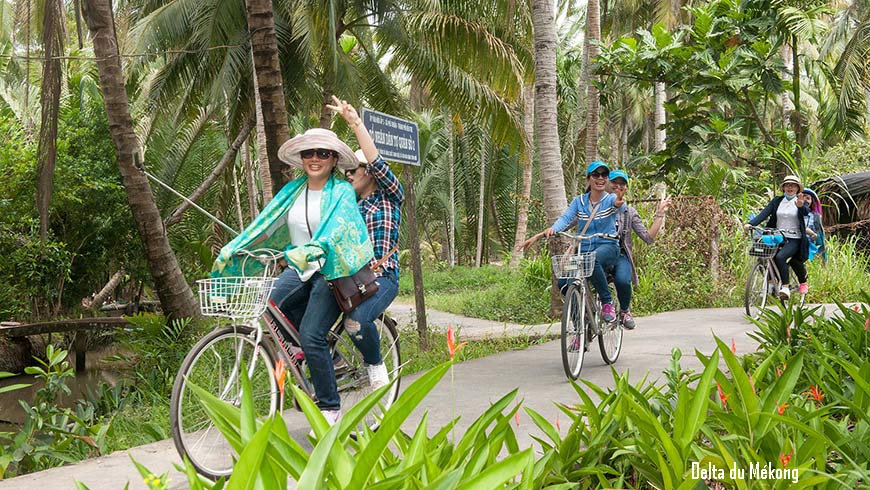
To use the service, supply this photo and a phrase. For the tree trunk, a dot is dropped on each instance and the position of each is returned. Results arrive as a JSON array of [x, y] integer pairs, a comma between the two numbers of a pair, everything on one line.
[[451, 193], [46, 155], [546, 129], [229, 158], [660, 120], [787, 107], [526, 161], [262, 156], [594, 34], [97, 301], [250, 181], [416, 264], [800, 132], [264, 44], [411, 214], [481, 207], [175, 295], [325, 112]]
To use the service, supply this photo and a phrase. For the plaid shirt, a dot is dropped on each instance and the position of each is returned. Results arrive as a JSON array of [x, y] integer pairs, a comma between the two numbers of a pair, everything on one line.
[[381, 211]]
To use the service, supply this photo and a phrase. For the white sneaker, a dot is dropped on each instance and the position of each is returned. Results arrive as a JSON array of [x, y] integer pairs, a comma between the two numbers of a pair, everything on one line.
[[331, 416], [378, 375], [784, 293]]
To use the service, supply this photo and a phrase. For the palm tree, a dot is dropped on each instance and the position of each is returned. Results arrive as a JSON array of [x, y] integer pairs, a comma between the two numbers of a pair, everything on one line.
[[267, 72], [546, 128], [593, 37], [53, 34], [175, 294]]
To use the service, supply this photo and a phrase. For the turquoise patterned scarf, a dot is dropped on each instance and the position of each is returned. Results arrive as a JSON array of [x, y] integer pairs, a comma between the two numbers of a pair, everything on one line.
[[342, 240]]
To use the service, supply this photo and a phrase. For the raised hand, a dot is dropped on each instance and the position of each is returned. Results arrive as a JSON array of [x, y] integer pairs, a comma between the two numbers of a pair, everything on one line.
[[663, 206], [345, 110]]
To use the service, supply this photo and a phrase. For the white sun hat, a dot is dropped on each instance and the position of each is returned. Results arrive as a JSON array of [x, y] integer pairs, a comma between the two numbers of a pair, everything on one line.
[[316, 138]]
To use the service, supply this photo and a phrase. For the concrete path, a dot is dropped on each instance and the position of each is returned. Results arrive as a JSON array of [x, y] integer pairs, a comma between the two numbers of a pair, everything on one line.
[[536, 372]]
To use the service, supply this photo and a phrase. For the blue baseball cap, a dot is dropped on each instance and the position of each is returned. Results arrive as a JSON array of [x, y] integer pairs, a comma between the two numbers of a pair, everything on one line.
[[595, 165], [619, 174]]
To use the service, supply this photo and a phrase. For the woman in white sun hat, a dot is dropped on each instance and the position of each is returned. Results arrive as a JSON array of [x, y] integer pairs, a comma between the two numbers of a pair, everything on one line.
[[786, 213], [315, 220]]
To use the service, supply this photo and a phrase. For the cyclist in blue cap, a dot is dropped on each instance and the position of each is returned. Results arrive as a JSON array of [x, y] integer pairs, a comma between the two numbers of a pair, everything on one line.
[[624, 273], [602, 207]]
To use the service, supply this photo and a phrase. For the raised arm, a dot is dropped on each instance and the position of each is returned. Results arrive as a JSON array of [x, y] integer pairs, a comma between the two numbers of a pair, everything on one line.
[[347, 111]]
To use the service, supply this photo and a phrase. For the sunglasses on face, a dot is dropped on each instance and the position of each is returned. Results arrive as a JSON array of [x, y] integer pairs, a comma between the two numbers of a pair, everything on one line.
[[320, 152], [352, 171], [599, 175]]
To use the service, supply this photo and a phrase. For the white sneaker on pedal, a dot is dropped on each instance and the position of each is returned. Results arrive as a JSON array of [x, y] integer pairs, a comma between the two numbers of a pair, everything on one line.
[[784, 293], [378, 375]]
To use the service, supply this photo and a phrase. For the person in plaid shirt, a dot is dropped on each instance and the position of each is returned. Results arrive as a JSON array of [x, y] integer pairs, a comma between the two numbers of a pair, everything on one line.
[[380, 198]]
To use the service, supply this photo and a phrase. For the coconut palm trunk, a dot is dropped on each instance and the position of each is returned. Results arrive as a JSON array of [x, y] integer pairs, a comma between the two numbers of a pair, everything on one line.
[[660, 131], [264, 45], [53, 35], [593, 33], [546, 129], [526, 189], [174, 293]]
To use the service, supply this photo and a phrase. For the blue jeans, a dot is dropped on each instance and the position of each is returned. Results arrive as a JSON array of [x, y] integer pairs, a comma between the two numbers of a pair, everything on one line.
[[605, 258], [622, 281], [311, 306], [360, 323]]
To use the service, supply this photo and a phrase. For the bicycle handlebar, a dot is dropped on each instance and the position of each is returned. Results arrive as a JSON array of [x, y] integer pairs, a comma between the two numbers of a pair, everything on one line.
[[585, 237]]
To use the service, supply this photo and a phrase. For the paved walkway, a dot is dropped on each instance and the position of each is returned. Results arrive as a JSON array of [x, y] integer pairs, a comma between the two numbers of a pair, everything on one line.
[[536, 372]]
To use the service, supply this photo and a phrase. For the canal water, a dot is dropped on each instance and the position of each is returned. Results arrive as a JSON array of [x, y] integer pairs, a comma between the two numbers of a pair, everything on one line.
[[96, 372]]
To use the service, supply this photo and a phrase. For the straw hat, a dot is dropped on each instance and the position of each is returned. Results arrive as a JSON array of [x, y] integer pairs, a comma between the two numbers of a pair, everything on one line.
[[313, 139], [791, 179]]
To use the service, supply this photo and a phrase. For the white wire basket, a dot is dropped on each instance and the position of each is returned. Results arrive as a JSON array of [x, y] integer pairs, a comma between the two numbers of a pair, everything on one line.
[[574, 265], [762, 249], [237, 298]]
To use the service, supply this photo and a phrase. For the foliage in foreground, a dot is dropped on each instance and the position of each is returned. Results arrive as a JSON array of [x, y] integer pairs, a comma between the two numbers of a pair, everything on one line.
[[792, 415]]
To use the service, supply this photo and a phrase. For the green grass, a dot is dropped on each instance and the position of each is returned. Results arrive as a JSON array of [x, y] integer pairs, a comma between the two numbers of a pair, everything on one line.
[[489, 292]]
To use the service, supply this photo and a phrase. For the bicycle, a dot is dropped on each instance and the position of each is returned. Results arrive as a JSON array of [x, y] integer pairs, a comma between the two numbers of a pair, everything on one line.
[[763, 279], [260, 337], [582, 321]]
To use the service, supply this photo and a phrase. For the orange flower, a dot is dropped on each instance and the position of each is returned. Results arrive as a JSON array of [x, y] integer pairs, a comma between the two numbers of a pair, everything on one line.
[[558, 426], [722, 396], [867, 324], [814, 393], [280, 373], [733, 346], [517, 418], [784, 459], [856, 307], [781, 408], [452, 348]]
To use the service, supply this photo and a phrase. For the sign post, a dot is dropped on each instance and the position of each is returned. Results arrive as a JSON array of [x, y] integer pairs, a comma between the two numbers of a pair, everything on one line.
[[397, 140]]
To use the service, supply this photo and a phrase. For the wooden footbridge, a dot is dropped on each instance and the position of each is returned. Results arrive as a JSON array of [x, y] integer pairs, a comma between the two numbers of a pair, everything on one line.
[[80, 327]]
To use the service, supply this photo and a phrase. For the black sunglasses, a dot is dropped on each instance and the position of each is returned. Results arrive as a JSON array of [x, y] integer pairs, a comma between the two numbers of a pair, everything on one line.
[[321, 153], [600, 175], [352, 171]]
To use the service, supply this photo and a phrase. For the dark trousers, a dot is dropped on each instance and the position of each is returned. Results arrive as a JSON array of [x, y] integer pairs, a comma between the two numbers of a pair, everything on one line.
[[789, 250]]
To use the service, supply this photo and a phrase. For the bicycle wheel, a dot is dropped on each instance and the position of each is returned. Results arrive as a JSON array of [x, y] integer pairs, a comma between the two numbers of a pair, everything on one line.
[[573, 338], [352, 376], [214, 365], [755, 297], [610, 340]]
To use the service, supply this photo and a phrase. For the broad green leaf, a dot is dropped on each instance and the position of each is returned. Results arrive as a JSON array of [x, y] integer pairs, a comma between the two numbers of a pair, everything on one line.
[[392, 422], [686, 424], [247, 470], [498, 474]]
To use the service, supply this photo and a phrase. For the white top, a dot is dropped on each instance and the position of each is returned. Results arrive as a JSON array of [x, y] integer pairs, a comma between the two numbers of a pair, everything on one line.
[[296, 222], [787, 218]]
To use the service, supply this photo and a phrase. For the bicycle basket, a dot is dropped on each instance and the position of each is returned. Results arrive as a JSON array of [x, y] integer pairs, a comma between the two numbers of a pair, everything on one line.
[[235, 297], [761, 249], [574, 265]]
